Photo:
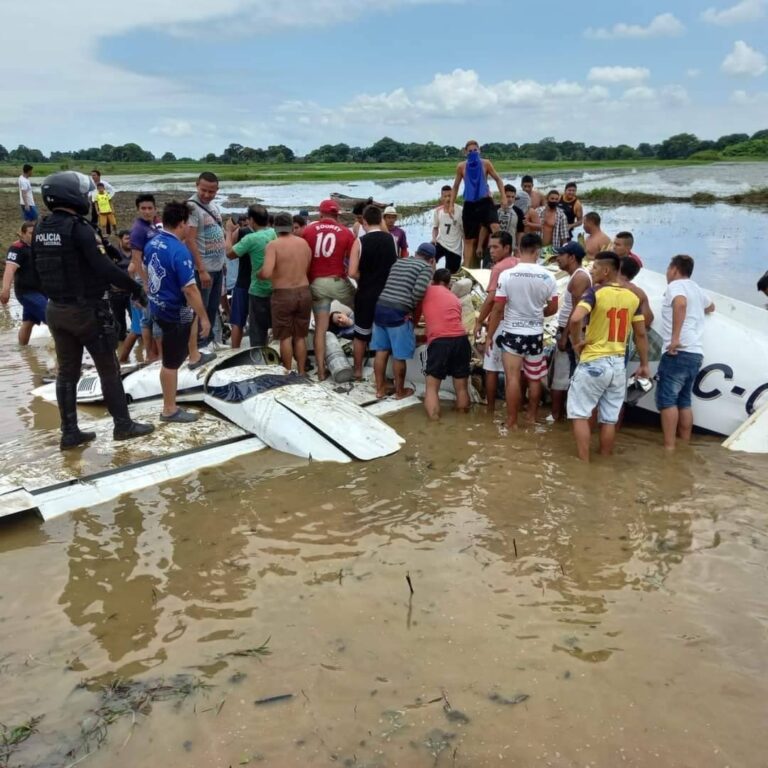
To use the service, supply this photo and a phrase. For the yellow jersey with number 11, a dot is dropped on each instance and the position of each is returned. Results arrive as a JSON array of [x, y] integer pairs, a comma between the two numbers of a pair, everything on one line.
[[612, 309]]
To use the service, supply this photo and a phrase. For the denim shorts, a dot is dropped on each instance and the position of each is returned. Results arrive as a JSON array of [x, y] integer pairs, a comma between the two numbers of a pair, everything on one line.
[[675, 376], [601, 383], [33, 306], [238, 314], [398, 339]]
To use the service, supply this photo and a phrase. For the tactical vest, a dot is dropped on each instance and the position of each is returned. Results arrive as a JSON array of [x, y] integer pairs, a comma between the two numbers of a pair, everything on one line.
[[60, 268], [569, 209]]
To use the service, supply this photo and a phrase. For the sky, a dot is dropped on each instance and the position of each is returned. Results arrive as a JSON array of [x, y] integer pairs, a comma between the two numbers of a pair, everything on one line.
[[192, 77]]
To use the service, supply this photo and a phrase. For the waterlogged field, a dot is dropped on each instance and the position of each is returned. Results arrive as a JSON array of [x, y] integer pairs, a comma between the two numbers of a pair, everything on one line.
[[258, 613]]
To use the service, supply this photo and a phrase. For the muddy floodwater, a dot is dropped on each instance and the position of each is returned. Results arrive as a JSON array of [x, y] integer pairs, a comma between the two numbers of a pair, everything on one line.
[[562, 615], [260, 613]]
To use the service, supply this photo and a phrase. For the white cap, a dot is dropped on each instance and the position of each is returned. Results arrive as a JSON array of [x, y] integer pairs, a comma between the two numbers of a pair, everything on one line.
[[390, 210]]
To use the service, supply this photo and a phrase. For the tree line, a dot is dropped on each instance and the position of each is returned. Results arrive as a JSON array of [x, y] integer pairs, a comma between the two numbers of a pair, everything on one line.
[[387, 150]]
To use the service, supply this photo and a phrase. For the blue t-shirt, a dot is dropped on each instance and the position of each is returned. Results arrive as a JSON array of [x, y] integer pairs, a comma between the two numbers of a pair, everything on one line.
[[169, 270]]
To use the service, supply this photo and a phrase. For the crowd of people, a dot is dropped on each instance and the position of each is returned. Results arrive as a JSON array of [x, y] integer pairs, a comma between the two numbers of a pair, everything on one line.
[[169, 275]]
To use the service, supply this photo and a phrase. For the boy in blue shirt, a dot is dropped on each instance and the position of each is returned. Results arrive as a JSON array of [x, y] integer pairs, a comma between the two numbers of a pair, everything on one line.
[[174, 300]]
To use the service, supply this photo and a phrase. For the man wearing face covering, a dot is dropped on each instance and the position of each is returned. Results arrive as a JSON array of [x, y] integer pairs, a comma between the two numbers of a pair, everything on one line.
[[75, 273], [549, 221], [479, 210]]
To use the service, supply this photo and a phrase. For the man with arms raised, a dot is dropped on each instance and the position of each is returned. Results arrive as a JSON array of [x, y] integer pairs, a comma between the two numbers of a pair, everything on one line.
[[20, 271], [286, 264], [526, 294], [449, 352], [174, 300], [448, 231], [550, 221], [501, 247], [393, 318], [600, 379], [333, 247], [596, 239], [205, 239], [378, 253], [479, 209], [569, 259], [682, 327]]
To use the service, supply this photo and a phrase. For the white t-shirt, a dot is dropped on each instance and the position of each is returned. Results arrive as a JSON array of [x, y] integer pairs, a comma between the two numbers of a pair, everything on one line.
[[527, 288], [450, 232], [693, 325], [25, 191]]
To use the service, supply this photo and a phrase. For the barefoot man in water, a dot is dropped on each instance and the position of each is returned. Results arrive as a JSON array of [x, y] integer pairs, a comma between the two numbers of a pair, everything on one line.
[[479, 210], [286, 264], [393, 318], [525, 295]]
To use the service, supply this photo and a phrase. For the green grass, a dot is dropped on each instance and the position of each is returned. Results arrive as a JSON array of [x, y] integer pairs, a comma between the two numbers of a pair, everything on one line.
[[287, 173]]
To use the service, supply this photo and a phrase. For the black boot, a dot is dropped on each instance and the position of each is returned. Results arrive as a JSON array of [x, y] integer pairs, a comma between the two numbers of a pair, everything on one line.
[[117, 405], [71, 436], [125, 429]]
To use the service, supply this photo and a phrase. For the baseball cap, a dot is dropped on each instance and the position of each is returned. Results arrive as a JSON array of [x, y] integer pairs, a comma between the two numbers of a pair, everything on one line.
[[283, 223], [390, 210], [329, 206], [573, 248], [428, 250], [636, 259]]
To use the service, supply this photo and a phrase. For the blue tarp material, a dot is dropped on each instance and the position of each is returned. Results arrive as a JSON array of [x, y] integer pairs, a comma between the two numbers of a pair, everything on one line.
[[238, 391]]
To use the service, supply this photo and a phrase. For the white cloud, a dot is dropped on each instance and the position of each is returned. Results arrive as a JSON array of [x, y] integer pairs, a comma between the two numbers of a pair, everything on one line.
[[618, 74], [674, 95], [744, 99], [745, 11], [663, 25], [639, 93], [692, 72], [172, 128], [78, 97], [743, 60]]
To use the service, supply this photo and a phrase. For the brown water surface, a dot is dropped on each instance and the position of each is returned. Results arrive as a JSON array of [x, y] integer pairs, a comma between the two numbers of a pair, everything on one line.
[[563, 615]]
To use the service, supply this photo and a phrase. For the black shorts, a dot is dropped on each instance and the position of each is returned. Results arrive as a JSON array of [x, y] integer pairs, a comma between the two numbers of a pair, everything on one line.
[[481, 213], [175, 343], [365, 307], [449, 357], [452, 260]]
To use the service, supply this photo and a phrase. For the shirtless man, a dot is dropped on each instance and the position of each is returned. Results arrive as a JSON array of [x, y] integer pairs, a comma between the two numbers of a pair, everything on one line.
[[597, 240], [479, 209], [536, 198], [286, 264], [549, 221], [572, 207]]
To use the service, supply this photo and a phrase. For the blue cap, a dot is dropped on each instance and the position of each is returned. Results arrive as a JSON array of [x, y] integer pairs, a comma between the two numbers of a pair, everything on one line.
[[427, 250], [574, 248]]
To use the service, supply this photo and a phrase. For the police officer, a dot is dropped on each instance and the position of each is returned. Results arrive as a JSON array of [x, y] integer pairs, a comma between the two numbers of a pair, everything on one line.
[[75, 273]]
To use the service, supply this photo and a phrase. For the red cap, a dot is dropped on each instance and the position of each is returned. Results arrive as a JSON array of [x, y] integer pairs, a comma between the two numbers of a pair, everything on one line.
[[636, 259], [329, 206]]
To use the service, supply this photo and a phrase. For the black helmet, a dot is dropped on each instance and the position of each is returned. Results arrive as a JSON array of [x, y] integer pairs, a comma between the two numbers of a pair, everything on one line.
[[68, 189]]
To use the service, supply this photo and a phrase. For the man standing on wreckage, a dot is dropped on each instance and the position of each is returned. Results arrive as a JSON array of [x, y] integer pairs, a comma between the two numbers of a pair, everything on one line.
[[75, 273]]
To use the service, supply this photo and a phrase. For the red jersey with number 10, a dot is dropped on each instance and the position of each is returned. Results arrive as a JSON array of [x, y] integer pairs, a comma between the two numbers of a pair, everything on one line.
[[330, 243]]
